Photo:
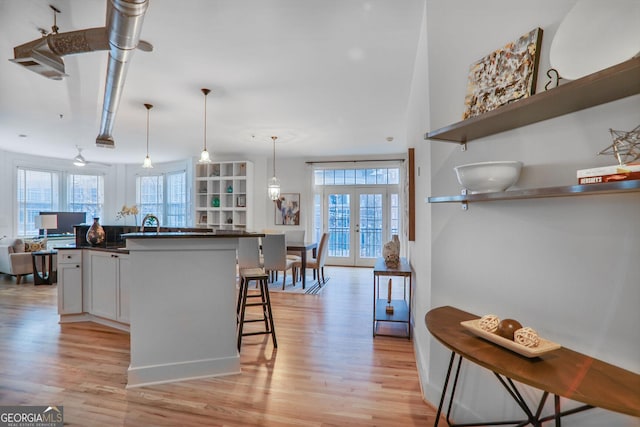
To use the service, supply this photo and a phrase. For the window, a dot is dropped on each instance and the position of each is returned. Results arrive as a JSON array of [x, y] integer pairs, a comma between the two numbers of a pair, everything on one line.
[[364, 176], [164, 196], [37, 191], [85, 193]]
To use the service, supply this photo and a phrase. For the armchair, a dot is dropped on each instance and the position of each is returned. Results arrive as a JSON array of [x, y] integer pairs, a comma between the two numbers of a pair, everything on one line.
[[15, 261]]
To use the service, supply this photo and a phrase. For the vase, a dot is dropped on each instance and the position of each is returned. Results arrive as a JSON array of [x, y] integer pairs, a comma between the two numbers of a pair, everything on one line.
[[391, 252], [95, 233]]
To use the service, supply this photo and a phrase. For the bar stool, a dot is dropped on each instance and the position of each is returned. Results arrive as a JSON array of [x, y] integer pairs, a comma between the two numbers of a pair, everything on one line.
[[246, 276]]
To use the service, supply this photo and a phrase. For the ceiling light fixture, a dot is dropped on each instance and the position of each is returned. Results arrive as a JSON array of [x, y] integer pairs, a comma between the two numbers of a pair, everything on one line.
[[204, 156], [147, 160], [274, 183], [79, 159]]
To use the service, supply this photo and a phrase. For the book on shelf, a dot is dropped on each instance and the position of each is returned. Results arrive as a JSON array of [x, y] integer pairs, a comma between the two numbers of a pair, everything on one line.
[[598, 179], [608, 170]]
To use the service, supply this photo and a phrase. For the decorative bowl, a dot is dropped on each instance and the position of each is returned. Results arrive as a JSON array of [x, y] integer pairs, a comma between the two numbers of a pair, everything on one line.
[[487, 177]]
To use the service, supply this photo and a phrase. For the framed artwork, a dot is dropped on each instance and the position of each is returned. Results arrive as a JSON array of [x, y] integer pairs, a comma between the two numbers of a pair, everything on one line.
[[203, 218], [287, 209], [503, 76], [241, 202]]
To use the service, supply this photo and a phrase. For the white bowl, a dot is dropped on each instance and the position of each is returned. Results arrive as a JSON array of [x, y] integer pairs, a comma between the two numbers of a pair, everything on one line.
[[487, 177]]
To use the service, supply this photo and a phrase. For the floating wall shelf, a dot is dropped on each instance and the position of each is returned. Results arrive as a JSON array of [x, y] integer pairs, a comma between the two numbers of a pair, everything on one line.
[[604, 86]]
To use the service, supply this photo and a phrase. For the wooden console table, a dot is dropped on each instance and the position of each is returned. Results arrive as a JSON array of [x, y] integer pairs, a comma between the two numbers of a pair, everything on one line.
[[562, 372], [401, 307]]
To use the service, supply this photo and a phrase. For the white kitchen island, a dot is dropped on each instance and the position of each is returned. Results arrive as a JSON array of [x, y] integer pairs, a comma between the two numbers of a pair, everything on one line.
[[182, 306]]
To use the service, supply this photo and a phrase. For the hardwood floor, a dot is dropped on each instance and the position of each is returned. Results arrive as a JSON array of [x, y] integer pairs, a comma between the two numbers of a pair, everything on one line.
[[328, 370]]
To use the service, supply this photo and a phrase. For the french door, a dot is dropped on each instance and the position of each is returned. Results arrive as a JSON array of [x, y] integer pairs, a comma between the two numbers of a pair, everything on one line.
[[360, 220]]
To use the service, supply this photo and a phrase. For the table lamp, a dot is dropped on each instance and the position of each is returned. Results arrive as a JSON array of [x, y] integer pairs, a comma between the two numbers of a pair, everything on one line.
[[46, 222]]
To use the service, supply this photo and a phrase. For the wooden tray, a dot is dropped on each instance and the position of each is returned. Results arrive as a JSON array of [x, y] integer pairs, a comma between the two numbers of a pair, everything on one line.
[[545, 346]]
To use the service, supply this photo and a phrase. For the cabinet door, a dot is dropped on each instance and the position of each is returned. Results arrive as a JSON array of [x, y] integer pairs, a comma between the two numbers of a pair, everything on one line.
[[69, 288], [124, 281], [103, 284]]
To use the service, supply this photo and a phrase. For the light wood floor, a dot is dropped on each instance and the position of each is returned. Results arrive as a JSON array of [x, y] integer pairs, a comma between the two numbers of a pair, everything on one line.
[[328, 370]]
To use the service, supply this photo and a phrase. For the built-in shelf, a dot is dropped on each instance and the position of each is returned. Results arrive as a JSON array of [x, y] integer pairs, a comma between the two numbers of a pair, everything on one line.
[[604, 86], [537, 193]]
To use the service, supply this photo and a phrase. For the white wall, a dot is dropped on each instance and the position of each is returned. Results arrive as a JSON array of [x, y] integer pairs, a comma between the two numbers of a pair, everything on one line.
[[566, 266]]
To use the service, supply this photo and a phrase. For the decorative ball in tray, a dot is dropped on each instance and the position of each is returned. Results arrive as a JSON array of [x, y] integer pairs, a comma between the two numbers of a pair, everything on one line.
[[510, 334]]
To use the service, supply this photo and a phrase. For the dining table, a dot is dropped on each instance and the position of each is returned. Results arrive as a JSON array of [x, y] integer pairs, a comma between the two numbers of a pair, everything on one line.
[[303, 248]]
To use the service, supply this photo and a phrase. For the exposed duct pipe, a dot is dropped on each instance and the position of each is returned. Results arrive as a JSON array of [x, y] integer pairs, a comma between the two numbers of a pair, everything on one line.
[[124, 23], [120, 36]]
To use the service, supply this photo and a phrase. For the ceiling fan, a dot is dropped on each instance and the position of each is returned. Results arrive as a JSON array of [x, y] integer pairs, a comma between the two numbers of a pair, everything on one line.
[[80, 161]]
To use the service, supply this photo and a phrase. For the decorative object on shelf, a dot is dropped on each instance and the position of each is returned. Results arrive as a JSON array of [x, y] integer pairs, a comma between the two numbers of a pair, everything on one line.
[[391, 252], [389, 308], [287, 209], [229, 220], [215, 202], [203, 218], [216, 170], [273, 186], [230, 189], [625, 147], [204, 156], [241, 202], [488, 177], [147, 160], [554, 81], [95, 234], [503, 76], [126, 211], [580, 46]]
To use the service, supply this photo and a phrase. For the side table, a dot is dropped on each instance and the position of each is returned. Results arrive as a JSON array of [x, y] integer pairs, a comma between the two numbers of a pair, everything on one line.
[[43, 272], [401, 307]]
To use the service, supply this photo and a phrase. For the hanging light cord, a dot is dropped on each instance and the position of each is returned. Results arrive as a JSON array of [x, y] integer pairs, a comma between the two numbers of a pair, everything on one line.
[[206, 92], [148, 107], [274, 154]]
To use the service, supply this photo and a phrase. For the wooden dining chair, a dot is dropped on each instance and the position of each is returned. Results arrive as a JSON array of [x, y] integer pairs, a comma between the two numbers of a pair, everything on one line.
[[274, 252]]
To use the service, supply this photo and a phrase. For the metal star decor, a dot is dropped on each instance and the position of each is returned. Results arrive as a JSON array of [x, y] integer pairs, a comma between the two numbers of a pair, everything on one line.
[[625, 147]]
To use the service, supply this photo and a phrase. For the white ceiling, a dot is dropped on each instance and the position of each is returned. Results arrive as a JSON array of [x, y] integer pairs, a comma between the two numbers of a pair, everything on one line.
[[328, 77]]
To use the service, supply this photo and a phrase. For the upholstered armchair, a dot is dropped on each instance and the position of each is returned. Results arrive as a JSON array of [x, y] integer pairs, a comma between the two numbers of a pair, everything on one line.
[[14, 260]]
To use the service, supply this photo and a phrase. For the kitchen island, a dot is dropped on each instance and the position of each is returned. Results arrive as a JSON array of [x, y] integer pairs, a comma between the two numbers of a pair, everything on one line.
[[176, 297]]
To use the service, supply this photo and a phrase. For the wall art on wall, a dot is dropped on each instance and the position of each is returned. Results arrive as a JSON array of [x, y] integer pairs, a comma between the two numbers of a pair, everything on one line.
[[287, 209], [503, 76]]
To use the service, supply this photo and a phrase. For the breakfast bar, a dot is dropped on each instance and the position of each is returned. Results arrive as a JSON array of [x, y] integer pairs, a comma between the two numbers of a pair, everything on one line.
[[182, 300]]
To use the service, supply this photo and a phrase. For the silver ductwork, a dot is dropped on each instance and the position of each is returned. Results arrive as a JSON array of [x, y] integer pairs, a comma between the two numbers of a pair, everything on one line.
[[124, 23], [120, 36]]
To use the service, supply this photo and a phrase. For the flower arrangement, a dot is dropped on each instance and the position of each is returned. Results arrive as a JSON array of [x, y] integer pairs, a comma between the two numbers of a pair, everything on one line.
[[126, 211]]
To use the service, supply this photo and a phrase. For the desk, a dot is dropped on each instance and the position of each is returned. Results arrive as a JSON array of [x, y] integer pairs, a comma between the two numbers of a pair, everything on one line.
[[303, 247], [401, 307], [44, 273], [561, 372]]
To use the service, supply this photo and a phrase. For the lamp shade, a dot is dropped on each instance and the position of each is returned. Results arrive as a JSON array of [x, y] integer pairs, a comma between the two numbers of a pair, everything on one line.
[[46, 222]]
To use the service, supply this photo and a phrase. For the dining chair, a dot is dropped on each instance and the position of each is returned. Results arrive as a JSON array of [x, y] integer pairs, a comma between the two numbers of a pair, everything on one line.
[[274, 252], [317, 264]]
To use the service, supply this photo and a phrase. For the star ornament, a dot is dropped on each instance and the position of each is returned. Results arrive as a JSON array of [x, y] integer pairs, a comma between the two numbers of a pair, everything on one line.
[[625, 147]]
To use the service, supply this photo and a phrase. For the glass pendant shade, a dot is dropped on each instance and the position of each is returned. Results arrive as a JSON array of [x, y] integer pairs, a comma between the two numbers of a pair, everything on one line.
[[204, 156], [147, 160], [274, 188]]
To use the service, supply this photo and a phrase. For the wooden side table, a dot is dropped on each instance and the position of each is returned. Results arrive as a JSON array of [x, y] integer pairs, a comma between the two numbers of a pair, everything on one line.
[[401, 307], [43, 272]]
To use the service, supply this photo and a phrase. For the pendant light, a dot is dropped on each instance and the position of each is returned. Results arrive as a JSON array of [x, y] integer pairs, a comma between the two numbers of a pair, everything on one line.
[[274, 183], [204, 156], [147, 160]]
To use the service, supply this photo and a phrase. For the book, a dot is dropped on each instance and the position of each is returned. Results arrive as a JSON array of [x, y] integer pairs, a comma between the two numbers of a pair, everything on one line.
[[598, 179], [608, 170]]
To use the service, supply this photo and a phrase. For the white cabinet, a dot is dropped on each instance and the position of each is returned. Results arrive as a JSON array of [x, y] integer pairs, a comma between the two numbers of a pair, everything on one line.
[[70, 281], [109, 283], [224, 195]]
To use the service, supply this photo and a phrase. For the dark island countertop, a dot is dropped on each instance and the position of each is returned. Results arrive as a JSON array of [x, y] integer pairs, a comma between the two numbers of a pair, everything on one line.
[[188, 234]]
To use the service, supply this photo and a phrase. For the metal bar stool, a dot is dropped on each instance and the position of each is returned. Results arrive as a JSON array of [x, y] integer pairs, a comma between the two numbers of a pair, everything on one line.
[[246, 276]]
